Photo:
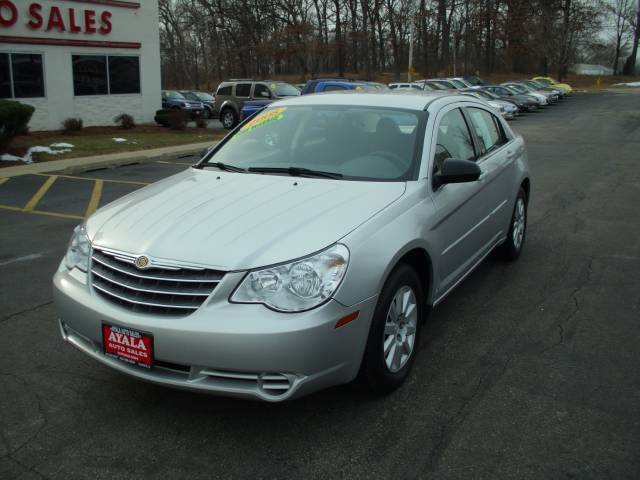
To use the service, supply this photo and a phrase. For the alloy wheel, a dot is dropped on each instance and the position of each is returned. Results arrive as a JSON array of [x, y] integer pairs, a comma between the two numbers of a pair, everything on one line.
[[400, 329], [519, 223], [227, 119]]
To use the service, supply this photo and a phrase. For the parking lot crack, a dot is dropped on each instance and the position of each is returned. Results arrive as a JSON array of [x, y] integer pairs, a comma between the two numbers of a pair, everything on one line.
[[26, 310], [11, 453], [576, 307], [483, 384]]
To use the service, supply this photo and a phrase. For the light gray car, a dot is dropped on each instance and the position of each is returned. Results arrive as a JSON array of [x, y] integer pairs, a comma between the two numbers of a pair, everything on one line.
[[303, 251]]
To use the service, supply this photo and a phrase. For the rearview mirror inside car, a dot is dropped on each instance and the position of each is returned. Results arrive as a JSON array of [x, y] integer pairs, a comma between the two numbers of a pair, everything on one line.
[[456, 171]]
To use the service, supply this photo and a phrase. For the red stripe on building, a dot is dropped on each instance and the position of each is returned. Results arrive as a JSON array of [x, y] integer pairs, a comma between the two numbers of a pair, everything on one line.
[[67, 42], [110, 3]]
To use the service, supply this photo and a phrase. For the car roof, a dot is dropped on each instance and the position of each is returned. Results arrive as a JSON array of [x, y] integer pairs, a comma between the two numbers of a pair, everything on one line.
[[408, 99]]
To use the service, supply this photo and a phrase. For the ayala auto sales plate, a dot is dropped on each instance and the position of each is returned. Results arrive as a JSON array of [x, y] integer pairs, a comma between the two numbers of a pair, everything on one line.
[[131, 346]]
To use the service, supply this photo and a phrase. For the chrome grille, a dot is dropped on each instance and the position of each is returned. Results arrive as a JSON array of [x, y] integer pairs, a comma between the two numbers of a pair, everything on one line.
[[163, 288]]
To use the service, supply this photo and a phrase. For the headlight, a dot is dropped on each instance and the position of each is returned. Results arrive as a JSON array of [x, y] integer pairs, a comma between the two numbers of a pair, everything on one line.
[[296, 286], [78, 252]]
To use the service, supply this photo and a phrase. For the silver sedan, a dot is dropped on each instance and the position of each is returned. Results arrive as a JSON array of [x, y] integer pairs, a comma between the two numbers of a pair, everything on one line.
[[303, 251]]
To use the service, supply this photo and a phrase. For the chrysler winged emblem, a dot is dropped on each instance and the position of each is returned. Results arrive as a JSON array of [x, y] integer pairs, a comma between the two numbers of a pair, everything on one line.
[[142, 262]]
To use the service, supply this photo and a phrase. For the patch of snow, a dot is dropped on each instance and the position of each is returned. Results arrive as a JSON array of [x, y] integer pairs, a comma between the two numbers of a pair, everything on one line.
[[10, 158], [61, 145], [28, 158], [119, 140], [630, 84]]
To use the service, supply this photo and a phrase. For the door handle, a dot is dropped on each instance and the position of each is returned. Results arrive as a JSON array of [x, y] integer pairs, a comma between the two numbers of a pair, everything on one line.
[[510, 154]]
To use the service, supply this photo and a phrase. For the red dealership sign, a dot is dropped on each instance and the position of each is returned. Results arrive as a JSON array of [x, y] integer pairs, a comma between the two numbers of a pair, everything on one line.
[[94, 18], [54, 18]]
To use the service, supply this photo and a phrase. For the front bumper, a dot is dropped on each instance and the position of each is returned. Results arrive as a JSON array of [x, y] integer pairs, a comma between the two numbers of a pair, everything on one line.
[[245, 351]]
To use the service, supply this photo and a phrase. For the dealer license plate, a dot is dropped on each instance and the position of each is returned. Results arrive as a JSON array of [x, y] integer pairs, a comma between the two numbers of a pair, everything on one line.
[[129, 345]]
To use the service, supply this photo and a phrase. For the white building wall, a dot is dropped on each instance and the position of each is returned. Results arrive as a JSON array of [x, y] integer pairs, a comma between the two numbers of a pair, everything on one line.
[[129, 25]]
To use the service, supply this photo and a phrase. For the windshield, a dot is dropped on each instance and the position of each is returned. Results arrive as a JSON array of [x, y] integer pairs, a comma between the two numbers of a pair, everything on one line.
[[489, 95], [513, 89], [175, 95], [190, 95], [284, 90], [436, 86], [458, 83], [205, 96], [446, 83], [359, 143], [543, 81]]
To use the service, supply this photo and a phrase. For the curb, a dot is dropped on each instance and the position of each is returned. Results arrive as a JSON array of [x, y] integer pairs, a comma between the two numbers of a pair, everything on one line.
[[83, 164]]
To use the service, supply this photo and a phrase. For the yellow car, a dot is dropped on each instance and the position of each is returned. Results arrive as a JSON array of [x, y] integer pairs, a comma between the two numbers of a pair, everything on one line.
[[550, 82]]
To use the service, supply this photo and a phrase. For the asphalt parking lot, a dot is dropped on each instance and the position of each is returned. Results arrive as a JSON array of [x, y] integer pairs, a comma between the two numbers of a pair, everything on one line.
[[528, 370]]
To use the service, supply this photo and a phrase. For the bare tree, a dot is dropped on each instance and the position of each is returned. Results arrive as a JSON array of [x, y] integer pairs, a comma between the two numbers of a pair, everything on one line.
[[204, 41], [630, 64], [622, 12]]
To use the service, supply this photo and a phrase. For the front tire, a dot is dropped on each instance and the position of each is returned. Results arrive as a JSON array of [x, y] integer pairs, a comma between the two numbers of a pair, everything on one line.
[[395, 331], [512, 247]]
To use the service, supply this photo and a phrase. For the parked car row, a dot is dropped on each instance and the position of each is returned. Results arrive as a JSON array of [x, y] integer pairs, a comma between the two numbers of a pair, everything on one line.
[[509, 98], [238, 99]]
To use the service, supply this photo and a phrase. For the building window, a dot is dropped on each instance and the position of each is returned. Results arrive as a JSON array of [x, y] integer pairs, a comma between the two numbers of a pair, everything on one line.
[[105, 75], [5, 76], [90, 75], [124, 75], [21, 75]]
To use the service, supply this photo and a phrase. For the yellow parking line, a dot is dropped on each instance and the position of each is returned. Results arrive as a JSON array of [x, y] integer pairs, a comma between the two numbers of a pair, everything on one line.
[[95, 198], [40, 212], [15, 209], [31, 204], [130, 182], [3, 180]]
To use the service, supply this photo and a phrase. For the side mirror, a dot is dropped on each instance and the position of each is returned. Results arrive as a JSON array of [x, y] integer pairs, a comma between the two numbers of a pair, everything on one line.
[[457, 171]]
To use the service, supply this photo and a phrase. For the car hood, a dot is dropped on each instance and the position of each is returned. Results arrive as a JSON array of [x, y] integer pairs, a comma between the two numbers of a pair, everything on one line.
[[236, 221]]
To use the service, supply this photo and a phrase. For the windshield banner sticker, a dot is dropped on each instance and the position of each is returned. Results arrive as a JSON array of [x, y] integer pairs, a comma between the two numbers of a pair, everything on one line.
[[263, 118]]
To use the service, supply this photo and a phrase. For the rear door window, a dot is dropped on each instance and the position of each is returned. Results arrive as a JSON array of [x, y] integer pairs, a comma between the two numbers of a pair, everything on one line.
[[243, 90]]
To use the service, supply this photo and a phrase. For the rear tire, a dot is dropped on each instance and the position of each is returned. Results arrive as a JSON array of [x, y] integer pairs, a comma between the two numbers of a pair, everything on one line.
[[395, 332], [512, 247], [228, 118]]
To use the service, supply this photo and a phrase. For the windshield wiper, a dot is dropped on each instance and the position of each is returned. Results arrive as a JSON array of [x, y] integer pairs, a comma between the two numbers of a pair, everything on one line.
[[296, 172], [224, 166]]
